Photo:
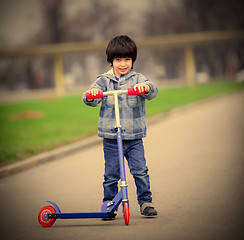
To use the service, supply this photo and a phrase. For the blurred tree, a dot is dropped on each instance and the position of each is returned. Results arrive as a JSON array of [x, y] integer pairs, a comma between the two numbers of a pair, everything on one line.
[[164, 19], [100, 23], [194, 16], [213, 14], [53, 22], [217, 15]]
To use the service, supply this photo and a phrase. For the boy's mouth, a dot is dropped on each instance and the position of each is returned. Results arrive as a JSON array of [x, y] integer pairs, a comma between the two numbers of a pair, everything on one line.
[[123, 69]]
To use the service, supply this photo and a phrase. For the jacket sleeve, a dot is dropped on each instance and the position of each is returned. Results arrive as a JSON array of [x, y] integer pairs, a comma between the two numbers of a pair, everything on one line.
[[153, 88], [99, 84]]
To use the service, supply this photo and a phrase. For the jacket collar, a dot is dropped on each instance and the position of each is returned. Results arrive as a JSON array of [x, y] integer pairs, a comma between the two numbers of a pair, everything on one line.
[[110, 75]]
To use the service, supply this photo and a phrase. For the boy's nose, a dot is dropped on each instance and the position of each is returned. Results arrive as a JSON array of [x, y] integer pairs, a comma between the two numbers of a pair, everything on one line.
[[122, 63]]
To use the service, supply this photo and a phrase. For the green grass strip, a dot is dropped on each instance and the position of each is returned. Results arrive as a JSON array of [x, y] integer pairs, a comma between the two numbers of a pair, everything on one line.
[[31, 127]]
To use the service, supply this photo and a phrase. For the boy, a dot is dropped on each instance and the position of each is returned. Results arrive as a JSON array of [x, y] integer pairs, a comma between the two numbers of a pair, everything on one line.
[[121, 54]]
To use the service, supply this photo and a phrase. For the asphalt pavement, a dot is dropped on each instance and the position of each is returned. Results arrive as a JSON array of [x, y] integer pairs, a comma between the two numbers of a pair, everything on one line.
[[195, 158]]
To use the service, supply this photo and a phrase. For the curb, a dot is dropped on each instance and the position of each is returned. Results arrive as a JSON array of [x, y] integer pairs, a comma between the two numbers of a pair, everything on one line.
[[49, 156], [91, 141]]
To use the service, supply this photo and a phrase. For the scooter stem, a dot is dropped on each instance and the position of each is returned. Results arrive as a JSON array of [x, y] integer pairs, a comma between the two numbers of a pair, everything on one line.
[[116, 107], [120, 149]]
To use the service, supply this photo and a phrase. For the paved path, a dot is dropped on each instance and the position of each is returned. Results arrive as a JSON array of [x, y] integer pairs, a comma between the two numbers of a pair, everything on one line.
[[196, 161]]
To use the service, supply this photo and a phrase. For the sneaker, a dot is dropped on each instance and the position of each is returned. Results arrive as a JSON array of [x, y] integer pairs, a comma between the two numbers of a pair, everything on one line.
[[148, 210]]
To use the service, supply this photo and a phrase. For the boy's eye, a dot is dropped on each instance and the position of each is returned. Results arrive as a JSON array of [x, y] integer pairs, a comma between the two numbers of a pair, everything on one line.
[[120, 59]]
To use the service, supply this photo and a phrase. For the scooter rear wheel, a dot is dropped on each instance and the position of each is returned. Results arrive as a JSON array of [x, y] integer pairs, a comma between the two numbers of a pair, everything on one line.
[[126, 213], [42, 216]]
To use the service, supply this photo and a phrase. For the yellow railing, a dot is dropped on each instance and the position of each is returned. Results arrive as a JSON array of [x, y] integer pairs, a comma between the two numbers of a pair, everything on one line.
[[186, 40]]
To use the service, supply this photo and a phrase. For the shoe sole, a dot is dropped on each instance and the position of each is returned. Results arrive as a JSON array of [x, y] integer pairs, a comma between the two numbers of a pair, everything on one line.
[[150, 215]]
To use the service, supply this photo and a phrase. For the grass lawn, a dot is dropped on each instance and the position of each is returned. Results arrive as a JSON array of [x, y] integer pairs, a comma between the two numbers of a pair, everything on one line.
[[30, 127]]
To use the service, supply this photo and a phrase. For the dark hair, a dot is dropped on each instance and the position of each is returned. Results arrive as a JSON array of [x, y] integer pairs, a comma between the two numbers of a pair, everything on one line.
[[121, 46]]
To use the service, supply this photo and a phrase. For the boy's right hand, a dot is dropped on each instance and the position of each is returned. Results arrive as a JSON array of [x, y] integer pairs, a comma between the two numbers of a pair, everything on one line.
[[93, 92]]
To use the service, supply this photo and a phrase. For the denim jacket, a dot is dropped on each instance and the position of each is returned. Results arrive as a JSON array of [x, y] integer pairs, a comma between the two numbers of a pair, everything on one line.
[[132, 108]]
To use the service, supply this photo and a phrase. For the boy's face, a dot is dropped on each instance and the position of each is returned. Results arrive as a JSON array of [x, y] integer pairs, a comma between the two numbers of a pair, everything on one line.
[[122, 66]]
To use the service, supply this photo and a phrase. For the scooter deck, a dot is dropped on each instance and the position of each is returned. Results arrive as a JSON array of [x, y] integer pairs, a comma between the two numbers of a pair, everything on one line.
[[79, 215]]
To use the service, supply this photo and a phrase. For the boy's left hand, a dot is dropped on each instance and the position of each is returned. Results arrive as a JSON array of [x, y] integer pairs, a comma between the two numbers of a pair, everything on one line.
[[141, 86]]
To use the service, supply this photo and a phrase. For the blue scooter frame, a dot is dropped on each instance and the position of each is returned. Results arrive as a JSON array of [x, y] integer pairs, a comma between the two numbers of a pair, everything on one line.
[[48, 214]]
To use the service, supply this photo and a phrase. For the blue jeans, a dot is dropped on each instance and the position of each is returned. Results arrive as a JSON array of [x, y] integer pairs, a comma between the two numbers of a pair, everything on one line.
[[134, 153]]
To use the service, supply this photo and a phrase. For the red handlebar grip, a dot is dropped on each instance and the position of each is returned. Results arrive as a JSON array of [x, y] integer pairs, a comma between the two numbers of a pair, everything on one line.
[[90, 96], [132, 91]]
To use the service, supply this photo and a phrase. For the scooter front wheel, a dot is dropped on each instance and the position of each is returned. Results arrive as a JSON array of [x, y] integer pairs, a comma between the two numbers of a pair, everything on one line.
[[42, 216], [126, 213]]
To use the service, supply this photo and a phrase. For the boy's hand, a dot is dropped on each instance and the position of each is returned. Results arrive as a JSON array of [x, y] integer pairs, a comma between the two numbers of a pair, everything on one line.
[[140, 87], [93, 92]]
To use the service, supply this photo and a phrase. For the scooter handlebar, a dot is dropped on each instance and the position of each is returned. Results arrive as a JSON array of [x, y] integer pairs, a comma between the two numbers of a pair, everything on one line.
[[130, 91], [90, 96]]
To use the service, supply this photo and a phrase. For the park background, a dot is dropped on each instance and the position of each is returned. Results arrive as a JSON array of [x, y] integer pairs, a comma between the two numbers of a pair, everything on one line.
[[52, 50]]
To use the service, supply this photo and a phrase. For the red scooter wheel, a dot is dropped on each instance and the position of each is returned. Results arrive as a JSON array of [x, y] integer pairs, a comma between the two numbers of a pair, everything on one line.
[[43, 219], [126, 213]]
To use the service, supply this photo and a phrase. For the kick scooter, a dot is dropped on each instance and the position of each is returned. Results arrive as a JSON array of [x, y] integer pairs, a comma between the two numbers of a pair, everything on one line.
[[48, 214]]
